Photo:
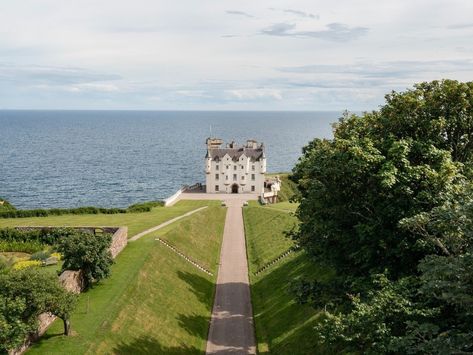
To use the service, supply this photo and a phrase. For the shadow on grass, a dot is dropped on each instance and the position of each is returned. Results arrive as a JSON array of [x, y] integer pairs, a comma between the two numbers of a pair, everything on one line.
[[145, 345], [231, 320], [287, 327], [200, 286]]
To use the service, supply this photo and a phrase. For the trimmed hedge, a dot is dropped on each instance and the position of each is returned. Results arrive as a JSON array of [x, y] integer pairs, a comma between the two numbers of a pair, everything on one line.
[[136, 208], [43, 236]]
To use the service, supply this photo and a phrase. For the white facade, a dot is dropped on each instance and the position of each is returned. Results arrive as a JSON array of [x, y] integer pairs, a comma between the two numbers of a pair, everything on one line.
[[235, 169]]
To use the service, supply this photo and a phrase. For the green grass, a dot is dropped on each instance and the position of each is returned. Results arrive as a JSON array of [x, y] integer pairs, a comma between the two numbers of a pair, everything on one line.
[[282, 325], [284, 206], [136, 222], [187, 237], [264, 228], [154, 302]]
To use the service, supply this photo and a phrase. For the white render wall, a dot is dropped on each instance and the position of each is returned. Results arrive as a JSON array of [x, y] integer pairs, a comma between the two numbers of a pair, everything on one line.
[[226, 170]]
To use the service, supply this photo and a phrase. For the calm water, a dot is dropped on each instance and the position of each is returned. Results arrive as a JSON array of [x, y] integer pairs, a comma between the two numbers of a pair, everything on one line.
[[116, 158]]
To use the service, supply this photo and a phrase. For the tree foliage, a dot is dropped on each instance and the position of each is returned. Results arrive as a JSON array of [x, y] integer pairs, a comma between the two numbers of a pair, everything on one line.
[[89, 253], [24, 295], [388, 204]]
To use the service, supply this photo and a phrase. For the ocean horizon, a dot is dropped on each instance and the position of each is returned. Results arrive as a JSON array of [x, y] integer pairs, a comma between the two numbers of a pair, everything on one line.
[[114, 158]]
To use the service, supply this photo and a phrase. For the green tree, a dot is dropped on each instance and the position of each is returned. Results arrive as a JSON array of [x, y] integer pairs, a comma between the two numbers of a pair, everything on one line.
[[89, 253], [24, 295], [380, 168], [388, 203]]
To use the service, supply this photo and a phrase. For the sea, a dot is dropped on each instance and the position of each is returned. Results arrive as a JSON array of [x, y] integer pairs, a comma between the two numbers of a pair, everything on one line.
[[117, 158]]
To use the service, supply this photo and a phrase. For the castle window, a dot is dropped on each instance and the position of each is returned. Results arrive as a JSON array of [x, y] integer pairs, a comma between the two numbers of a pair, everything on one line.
[[228, 167], [216, 188], [253, 188], [253, 168], [216, 167], [253, 177], [243, 178], [234, 177], [226, 177], [216, 176], [234, 167]]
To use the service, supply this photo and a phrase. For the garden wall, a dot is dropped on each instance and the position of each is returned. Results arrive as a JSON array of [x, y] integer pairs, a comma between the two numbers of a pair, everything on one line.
[[73, 281]]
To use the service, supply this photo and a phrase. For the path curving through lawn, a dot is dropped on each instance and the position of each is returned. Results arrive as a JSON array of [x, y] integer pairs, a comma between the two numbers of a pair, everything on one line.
[[162, 225]]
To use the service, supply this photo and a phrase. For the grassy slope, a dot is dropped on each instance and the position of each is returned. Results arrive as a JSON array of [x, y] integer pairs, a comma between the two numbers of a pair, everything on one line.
[[136, 222], [154, 302], [282, 326]]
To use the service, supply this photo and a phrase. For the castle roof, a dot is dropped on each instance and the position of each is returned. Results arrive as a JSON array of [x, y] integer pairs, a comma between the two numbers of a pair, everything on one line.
[[254, 154]]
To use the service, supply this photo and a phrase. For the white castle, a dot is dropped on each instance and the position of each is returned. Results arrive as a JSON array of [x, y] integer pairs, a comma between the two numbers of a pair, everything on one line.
[[238, 169]]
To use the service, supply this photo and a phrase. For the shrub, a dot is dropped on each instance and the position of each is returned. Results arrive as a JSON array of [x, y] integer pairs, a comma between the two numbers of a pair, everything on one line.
[[89, 253], [56, 255], [40, 255], [136, 208], [24, 264], [21, 246]]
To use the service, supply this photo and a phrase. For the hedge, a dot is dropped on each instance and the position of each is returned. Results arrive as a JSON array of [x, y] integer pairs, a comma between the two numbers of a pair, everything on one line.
[[136, 208]]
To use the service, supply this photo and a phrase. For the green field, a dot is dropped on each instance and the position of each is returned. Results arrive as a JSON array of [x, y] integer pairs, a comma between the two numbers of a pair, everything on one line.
[[136, 222], [282, 325], [154, 302]]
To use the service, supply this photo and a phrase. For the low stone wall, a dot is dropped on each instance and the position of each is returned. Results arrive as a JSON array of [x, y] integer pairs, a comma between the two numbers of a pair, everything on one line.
[[119, 241], [71, 280]]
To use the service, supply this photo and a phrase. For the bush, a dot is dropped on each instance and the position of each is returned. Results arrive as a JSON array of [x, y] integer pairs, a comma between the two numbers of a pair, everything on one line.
[[136, 208], [5, 205], [41, 255], [24, 264], [89, 253], [21, 246], [46, 236]]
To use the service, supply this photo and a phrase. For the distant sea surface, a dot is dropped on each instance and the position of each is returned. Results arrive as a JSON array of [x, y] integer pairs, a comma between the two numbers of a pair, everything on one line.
[[117, 158]]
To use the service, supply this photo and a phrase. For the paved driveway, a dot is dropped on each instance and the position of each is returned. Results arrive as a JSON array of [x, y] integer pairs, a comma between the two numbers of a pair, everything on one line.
[[231, 326]]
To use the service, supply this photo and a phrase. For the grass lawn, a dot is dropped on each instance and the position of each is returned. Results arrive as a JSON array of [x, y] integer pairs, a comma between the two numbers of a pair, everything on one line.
[[136, 222], [154, 302], [264, 229], [285, 206], [282, 325]]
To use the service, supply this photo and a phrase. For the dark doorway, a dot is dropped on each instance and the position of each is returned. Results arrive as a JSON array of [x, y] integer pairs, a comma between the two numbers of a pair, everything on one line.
[[234, 189]]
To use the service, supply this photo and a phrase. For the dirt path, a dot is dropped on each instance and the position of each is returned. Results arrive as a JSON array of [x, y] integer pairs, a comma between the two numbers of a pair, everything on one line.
[[231, 328], [162, 225]]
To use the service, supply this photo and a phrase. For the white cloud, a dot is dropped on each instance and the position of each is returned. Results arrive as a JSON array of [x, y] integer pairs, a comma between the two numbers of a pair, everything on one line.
[[153, 54], [254, 94]]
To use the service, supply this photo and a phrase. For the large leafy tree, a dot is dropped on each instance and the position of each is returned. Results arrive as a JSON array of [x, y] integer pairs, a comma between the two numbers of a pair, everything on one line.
[[24, 295], [388, 203], [380, 168]]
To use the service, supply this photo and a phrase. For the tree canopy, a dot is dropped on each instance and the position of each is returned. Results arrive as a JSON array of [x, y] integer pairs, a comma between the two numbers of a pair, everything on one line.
[[24, 295], [386, 204], [89, 253]]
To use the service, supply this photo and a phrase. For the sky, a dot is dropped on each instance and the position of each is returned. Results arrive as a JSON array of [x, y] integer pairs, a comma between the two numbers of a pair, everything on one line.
[[227, 55]]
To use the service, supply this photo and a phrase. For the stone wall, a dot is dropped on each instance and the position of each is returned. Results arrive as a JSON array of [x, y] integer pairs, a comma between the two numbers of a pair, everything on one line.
[[119, 241]]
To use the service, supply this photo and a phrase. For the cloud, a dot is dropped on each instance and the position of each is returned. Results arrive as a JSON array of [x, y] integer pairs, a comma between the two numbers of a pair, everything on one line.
[[336, 32], [461, 26], [301, 13], [239, 13], [255, 94], [37, 75]]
